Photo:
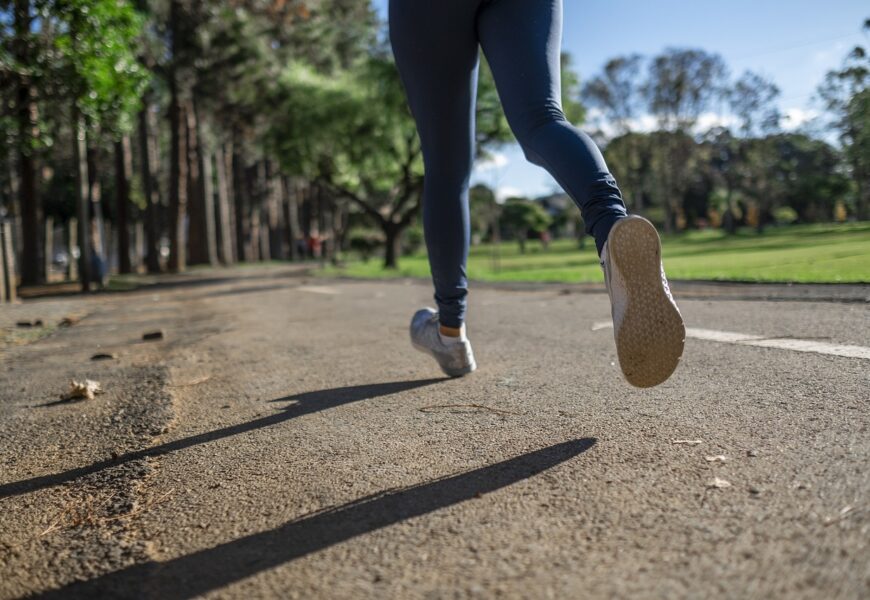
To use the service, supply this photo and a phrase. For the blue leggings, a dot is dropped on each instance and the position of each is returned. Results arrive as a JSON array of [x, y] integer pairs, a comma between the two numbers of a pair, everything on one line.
[[435, 43]]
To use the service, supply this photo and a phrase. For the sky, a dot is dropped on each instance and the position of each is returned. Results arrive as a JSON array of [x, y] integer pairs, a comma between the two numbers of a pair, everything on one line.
[[792, 43]]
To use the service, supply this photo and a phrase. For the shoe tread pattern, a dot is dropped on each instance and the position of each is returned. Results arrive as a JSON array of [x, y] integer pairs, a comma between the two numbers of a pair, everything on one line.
[[652, 335]]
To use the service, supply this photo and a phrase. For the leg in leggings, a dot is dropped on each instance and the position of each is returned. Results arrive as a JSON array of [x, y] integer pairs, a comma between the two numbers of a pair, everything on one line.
[[435, 43], [522, 42], [436, 50]]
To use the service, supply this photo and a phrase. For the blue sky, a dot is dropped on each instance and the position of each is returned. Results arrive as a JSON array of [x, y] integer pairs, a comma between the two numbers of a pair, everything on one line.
[[793, 43]]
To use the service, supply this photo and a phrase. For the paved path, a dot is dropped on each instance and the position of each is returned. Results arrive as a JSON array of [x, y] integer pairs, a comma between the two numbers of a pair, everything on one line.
[[284, 440]]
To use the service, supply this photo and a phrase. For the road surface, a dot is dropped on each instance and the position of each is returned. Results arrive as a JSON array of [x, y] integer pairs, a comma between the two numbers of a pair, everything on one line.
[[284, 440]]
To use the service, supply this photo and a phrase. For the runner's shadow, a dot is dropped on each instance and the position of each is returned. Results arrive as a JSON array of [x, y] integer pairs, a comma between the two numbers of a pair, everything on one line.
[[303, 404], [210, 569]]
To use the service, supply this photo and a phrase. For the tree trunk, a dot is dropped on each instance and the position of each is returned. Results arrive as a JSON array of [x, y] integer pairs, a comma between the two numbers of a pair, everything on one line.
[[291, 216], [207, 170], [339, 230], [275, 215], [177, 179], [72, 241], [27, 132], [82, 201], [123, 169], [197, 236], [95, 199], [259, 185], [147, 148], [393, 237], [48, 247], [729, 220], [224, 223], [240, 200], [203, 249], [253, 248]]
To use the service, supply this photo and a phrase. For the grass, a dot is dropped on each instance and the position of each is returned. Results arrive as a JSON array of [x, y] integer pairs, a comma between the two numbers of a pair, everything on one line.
[[822, 253]]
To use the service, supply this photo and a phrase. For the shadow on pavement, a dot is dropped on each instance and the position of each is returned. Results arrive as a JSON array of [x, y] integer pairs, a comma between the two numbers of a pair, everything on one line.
[[304, 404], [212, 568]]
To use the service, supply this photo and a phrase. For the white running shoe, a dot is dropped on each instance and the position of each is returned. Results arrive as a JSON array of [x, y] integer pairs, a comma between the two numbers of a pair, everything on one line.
[[647, 324], [456, 359]]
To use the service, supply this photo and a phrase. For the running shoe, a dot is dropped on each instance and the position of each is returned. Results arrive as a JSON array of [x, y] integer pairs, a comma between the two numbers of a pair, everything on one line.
[[456, 359], [647, 324]]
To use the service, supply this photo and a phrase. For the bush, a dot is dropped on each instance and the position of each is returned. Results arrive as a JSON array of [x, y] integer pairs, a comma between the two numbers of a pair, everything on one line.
[[785, 215], [412, 240], [365, 242]]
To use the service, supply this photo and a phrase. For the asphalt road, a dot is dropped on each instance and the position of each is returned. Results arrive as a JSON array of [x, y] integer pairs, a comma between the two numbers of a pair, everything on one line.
[[284, 440]]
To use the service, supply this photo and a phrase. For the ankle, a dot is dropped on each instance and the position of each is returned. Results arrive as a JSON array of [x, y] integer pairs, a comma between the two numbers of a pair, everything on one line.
[[451, 335], [450, 331]]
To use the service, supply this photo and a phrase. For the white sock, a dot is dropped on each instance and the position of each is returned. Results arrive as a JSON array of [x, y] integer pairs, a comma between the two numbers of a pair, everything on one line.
[[449, 340]]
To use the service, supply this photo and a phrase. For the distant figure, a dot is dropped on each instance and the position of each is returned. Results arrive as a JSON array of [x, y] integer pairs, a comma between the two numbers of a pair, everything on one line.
[[436, 48]]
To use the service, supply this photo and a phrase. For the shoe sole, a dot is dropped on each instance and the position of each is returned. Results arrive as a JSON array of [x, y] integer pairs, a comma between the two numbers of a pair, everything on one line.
[[448, 372], [652, 335]]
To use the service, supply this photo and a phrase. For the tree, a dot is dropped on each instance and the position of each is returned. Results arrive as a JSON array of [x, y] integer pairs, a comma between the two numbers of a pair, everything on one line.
[[353, 134], [25, 59], [726, 155], [484, 210], [616, 91], [846, 94], [752, 99], [681, 84], [679, 88], [85, 68], [522, 216]]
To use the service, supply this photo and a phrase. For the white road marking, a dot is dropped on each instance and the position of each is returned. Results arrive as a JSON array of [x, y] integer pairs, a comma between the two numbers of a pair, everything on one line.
[[760, 341], [318, 289]]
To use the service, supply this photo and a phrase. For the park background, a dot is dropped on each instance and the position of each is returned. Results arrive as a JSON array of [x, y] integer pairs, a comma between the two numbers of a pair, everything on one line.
[[154, 136]]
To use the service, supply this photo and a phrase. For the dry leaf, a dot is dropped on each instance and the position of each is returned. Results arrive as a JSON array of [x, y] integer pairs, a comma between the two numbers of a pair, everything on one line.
[[82, 390], [719, 484], [717, 458]]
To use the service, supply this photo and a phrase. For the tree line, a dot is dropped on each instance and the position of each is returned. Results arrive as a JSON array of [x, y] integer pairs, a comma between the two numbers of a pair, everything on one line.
[[742, 171], [213, 132]]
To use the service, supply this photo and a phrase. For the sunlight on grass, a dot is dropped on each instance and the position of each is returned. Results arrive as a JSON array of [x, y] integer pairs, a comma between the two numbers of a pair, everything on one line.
[[804, 253]]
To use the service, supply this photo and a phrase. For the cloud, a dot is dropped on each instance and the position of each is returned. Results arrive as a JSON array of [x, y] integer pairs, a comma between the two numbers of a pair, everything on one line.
[[504, 192], [496, 160], [794, 117], [710, 119]]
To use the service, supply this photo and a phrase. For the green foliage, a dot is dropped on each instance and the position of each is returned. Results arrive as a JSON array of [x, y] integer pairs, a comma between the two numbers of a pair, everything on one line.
[[96, 45], [522, 217], [483, 209], [413, 239], [572, 106], [351, 129], [616, 91], [681, 84]]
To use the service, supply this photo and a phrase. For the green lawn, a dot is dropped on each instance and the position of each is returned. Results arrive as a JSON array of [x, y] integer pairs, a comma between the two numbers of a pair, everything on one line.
[[825, 253]]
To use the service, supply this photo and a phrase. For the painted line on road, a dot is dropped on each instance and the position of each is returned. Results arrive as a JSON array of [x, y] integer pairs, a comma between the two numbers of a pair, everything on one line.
[[760, 341]]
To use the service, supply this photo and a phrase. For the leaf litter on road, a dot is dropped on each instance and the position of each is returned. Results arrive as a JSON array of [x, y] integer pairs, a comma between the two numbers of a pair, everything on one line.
[[718, 483], [82, 390], [717, 458]]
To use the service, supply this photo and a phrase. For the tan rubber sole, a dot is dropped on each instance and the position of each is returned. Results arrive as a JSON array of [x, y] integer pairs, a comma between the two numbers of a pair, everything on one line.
[[650, 340]]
